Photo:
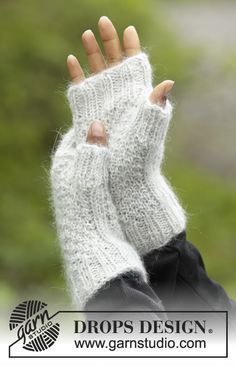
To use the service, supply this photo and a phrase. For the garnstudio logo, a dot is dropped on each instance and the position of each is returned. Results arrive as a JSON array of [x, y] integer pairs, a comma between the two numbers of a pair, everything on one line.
[[33, 325]]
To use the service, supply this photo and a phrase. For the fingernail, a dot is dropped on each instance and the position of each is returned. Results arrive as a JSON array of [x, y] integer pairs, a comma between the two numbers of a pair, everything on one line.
[[131, 27], [97, 130], [97, 134], [168, 89], [171, 82], [71, 57], [87, 32], [104, 18]]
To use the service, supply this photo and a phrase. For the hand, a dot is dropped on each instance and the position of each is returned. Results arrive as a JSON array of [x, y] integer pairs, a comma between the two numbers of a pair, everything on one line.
[[114, 54], [147, 208]]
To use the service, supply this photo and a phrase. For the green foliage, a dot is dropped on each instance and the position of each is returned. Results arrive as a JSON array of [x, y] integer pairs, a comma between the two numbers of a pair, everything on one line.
[[229, 64], [37, 36], [211, 204]]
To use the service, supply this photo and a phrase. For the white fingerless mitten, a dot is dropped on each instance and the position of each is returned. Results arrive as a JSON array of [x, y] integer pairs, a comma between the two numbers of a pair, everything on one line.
[[92, 241], [148, 209]]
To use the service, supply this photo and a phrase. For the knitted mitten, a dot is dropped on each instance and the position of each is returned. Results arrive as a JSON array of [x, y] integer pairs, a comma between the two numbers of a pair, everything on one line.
[[148, 209], [92, 241]]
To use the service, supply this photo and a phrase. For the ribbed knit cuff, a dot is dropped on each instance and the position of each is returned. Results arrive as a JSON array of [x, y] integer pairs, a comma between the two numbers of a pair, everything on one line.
[[92, 165], [172, 217], [102, 255], [151, 126], [92, 242], [95, 265], [106, 95], [125, 80]]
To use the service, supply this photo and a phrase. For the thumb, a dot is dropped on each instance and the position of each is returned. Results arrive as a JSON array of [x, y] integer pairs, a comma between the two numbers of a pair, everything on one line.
[[97, 134], [159, 93]]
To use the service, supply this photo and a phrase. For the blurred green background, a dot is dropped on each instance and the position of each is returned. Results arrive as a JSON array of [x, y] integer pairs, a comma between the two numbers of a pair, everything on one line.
[[191, 42]]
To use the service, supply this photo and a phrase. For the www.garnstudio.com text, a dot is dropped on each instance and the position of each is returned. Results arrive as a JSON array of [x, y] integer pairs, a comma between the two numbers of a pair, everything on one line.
[[142, 327], [146, 343]]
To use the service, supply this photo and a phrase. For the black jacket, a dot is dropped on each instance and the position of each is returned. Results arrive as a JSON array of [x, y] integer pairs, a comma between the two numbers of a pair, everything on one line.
[[177, 281]]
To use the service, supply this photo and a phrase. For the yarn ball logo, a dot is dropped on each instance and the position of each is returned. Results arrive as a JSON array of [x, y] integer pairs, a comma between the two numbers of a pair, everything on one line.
[[34, 327]]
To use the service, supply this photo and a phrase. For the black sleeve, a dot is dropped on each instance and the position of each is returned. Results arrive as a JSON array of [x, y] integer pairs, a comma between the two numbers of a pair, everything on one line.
[[126, 293], [177, 273], [177, 281]]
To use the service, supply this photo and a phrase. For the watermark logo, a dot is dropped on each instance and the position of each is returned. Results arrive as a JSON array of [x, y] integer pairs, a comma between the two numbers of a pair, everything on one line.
[[31, 321], [86, 334]]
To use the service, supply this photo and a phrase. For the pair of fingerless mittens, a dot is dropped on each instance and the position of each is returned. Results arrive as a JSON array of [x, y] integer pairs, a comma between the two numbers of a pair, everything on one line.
[[112, 203]]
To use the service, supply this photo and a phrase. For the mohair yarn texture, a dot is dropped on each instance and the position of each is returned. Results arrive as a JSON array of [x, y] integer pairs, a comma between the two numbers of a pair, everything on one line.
[[149, 212], [92, 241]]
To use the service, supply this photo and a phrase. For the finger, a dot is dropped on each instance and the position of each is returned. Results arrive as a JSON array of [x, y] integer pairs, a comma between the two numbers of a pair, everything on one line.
[[97, 134], [95, 58], [110, 40], [131, 41], [75, 70], [159, 93]]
